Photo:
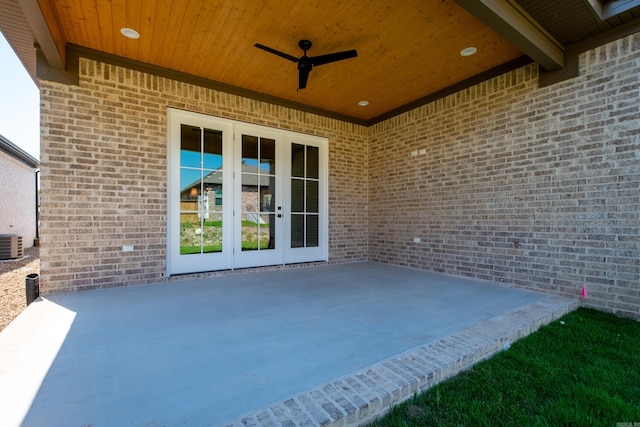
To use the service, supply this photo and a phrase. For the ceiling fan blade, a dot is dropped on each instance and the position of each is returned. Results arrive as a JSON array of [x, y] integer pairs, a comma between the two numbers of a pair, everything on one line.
[[303, 76], [277, 52], [333, 57]]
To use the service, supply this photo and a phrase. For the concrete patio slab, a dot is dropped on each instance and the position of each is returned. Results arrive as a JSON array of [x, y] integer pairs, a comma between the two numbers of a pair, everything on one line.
[[329, 345]]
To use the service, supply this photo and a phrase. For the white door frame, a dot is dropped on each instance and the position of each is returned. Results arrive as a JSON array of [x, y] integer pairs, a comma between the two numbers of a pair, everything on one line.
[[257, 258], [232, 187], [320, 252], [180, 264]]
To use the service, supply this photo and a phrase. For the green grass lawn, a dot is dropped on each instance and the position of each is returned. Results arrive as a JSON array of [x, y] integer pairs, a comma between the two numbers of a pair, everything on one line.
[[581, 370]]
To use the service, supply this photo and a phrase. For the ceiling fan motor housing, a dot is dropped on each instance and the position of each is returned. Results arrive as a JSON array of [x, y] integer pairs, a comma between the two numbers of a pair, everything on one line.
[[304, 64]]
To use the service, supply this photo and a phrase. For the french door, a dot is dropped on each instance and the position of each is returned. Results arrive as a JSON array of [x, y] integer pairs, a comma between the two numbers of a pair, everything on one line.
[[242, 196], [258, 203]]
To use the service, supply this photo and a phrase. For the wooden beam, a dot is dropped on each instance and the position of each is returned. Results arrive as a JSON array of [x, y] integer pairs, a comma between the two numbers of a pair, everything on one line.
[[617, 7], [68, 76], [595, 7], [47, 31], [602, 12], [573, 52], [513, 23]]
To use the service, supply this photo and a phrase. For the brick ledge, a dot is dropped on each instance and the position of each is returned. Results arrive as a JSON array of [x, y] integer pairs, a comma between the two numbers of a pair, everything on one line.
[[366, 395]]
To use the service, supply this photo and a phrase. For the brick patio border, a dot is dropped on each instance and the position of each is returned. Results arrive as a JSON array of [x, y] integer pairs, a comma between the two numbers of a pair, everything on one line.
[[366, 395]]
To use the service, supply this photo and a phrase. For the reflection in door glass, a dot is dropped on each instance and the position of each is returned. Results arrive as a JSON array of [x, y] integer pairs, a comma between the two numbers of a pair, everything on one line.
[[304, 196], [297, 160], [258, 193], [200, 190], [297, 231], [311, 197], [312, 230], [297, 195], [313, 162]]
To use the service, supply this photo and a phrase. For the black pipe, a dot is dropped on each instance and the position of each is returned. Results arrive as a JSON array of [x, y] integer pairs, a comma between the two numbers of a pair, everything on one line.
[[37, 207]]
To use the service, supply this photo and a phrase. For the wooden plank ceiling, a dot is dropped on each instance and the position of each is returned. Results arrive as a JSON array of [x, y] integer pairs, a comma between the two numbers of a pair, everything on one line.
[[406, 50]]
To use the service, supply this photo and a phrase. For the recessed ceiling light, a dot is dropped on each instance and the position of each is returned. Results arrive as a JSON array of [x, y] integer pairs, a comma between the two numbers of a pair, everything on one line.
[[468, 51], [130, 33], [363, 103]]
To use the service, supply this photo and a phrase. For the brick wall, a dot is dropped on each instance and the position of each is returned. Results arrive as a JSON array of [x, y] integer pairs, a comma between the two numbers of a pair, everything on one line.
[[504, 181], [103, 165], [508, 182]]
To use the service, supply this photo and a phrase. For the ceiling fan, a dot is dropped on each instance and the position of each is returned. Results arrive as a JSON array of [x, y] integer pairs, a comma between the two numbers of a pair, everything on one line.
[[306, 63]]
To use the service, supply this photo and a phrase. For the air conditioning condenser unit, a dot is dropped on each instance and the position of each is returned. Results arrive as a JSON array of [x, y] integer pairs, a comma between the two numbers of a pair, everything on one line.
[[10, 246]]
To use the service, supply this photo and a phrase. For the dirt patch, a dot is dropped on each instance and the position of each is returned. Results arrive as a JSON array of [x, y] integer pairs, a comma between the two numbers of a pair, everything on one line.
[[12, 284]]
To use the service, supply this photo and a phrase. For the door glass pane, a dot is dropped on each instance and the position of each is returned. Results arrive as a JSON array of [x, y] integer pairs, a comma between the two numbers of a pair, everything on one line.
[[212, 150], [297, 160], [268, 232], [189, 240], [250, 193], [250, 150], [267, 156], [305, 195], [250, 235], [312, 197], [212, 187], [189, 146], [258, 193], [250, 213], [313, 161], [190, 184], [267, 173], [267, 197], [212, 233], [297, 231], [297, 195], [312, 231], [258, 232], [200, 190]]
